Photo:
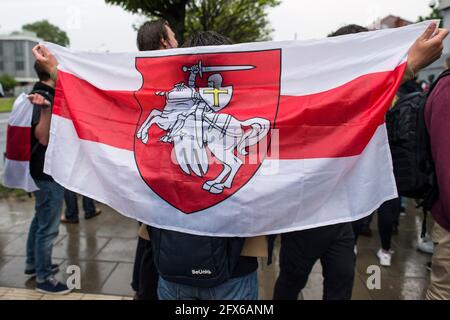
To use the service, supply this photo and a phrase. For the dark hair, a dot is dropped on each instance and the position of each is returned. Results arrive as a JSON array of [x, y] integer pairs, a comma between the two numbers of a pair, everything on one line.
[[348, 29], [206, 38], [150, 34], [41, 73]]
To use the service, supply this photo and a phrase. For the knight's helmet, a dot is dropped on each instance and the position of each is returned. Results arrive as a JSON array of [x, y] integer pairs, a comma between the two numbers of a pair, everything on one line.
[[215, 80]]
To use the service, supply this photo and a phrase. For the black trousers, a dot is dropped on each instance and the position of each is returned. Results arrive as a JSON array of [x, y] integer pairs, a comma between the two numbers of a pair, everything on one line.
[[388, 214], [71, 213], [300, 250], [360, 225], [145, 274]]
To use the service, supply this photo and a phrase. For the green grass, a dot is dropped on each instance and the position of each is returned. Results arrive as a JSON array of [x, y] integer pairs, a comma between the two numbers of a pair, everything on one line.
[[6, 104], [7, 192]]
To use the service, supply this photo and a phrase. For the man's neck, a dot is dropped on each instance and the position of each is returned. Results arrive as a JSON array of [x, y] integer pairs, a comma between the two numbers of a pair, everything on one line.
[[49, 83]]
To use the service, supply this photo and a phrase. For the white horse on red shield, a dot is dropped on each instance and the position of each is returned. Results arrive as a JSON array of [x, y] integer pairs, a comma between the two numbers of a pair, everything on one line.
[[193, 125]]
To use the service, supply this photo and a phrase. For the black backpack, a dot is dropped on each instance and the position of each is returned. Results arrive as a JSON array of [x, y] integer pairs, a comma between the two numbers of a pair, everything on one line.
[[409, 141], [193, 260]]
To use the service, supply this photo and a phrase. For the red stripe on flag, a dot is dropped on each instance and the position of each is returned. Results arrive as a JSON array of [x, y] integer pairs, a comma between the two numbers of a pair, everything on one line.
[[336, 123], [108, 117], [18, 143]]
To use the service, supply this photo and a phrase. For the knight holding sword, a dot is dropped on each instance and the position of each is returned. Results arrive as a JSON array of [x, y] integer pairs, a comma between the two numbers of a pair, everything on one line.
[[210, 99]]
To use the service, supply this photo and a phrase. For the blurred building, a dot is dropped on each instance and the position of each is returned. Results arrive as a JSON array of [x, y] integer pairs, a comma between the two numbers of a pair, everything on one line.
[[389, 22], [16, 58]]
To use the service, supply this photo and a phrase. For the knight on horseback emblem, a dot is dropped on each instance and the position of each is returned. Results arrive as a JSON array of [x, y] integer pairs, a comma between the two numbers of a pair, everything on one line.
[[194, 120]]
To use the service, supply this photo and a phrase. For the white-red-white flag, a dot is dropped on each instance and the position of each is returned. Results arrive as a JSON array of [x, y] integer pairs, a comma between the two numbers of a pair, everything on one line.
[[238, 140], [18, 150]]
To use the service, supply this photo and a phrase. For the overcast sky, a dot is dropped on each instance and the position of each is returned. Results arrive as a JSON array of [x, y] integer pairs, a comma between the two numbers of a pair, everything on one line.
[[93, 25]]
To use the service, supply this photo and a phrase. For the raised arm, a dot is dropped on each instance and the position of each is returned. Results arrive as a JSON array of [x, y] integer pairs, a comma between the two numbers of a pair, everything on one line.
[[46, 59], [427, 49], [42, 131], [194, 70]]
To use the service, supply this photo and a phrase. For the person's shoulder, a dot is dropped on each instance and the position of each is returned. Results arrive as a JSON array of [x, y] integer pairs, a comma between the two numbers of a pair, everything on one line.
[[437, 102], [441, 89], [444, 82]]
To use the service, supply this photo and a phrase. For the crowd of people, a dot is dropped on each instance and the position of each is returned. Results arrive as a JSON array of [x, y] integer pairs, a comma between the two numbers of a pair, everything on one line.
[[334, 245]]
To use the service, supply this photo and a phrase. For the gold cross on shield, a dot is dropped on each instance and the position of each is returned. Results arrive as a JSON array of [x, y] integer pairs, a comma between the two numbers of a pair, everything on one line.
[[216, 93]]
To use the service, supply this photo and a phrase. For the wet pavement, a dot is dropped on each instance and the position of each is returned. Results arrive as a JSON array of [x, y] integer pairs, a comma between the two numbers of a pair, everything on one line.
[[29, 294], [104, 248]]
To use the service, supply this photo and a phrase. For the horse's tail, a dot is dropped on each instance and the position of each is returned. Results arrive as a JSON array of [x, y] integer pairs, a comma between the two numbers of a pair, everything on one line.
[[259, 129]]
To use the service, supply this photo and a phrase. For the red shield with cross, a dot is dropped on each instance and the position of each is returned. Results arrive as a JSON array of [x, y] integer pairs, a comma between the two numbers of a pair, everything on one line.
[[205, 123]]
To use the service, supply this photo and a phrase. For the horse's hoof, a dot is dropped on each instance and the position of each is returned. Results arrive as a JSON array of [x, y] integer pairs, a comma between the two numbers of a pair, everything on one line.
[[166, 139], [207, 185], [216, 189]]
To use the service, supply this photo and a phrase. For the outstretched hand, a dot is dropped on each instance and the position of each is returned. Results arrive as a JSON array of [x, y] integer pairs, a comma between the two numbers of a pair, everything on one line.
[[427, 48], [45, 58]]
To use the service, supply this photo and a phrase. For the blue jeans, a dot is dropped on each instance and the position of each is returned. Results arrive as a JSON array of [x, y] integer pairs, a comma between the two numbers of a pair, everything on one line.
[[242, 288], [44, 228], [72, 206]]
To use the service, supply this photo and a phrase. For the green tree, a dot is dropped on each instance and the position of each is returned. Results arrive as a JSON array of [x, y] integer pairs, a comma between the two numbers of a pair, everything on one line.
[[241, 20], [8, 82], [174, 11], [48, 32], [433, 15]]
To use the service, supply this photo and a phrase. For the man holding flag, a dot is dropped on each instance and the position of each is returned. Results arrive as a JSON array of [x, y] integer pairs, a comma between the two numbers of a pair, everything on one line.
[[49, 198]]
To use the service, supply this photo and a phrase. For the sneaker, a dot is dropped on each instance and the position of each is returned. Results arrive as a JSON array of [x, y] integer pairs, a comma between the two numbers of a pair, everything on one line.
[[385, 257], [52, 286], [428, 266], [32, 272], [425, 245]]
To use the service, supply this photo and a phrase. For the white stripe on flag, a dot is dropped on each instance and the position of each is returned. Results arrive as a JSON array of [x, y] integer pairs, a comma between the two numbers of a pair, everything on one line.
[[22, 112], [17, 175], [330, 190]]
